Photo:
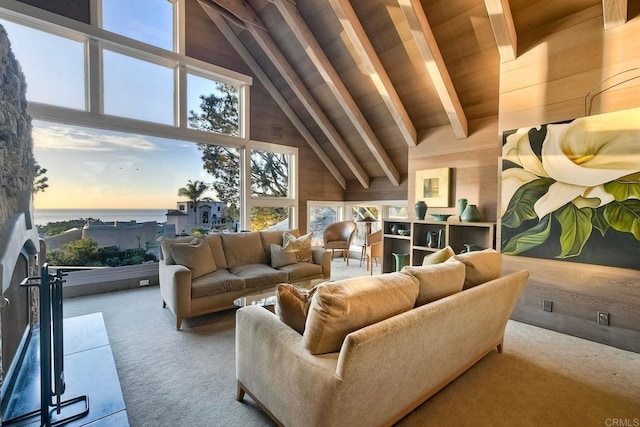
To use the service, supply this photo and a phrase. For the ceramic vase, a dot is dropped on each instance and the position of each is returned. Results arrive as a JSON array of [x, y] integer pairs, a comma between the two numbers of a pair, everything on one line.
[[401, 260], [471, 214], [462, 205], [393, 228], [421, 209]]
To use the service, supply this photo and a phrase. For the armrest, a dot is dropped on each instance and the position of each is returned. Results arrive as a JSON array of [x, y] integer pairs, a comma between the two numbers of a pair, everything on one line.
[[322, 257], [275, 368], [175, 288]]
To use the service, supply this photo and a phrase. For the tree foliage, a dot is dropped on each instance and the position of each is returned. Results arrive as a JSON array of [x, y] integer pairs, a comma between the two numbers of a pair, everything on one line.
[[85, 252], [40, 181], [269, 171]]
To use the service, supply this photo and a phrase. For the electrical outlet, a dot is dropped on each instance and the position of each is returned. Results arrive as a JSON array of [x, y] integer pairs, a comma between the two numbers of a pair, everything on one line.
[[603, 318], [144, 282], [547, 305]]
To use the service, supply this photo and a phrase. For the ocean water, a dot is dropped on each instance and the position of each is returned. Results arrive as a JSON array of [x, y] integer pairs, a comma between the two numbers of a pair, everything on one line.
[[44, 216]]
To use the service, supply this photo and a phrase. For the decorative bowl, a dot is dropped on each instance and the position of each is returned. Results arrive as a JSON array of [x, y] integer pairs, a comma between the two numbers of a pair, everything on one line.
[[404, 232], [441, 217]]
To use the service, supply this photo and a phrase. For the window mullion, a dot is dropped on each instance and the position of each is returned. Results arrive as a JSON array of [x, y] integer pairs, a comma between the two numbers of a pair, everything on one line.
[[94, 82], [180, 96]]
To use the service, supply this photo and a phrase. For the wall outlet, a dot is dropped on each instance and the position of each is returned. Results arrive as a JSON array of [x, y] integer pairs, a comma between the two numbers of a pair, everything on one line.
[[144, 282], [603, 318], [547, 305]]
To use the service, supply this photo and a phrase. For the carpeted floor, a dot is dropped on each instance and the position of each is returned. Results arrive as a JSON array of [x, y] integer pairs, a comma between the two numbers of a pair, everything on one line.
[[187, 378]]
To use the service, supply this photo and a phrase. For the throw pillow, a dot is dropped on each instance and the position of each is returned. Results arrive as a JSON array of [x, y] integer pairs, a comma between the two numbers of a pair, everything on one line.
[[292, 305], [439, 256], [481, 266], [196, 256], [437, 280], [281, 257], [344, 306], [300, 245]]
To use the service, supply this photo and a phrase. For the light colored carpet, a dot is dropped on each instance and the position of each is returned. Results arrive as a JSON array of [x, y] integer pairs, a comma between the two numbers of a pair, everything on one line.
[[187, 378]]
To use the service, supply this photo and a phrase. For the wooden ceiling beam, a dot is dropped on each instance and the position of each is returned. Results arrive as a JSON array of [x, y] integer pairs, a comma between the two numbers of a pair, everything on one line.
[[503, 28], [614, 13], [330, 76], [362, 50], [241, 10], [324, 123], [434, 63]]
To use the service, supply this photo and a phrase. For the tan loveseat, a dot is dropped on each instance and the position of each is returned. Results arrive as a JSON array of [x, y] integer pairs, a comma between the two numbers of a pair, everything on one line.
[[241, 263], [382, 371]]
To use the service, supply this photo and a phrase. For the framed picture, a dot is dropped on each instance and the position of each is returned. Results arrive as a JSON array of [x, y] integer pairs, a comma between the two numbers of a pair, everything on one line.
[[571, 190], [432, 186]]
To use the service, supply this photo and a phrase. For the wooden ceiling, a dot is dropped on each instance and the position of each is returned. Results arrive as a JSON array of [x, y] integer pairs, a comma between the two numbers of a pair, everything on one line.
[[362, 80]]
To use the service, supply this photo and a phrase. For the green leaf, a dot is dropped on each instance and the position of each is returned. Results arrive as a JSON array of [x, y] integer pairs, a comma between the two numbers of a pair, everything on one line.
[[576, 229], [599, 221], [624, 216], [521, 204], [627, 187], [529, 239]]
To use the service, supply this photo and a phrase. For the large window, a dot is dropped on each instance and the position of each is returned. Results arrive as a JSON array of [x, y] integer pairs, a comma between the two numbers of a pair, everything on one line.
[[54, 66], [212, 106]]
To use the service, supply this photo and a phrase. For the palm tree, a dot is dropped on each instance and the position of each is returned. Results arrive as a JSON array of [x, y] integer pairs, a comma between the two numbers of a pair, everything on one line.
[[193, 191]]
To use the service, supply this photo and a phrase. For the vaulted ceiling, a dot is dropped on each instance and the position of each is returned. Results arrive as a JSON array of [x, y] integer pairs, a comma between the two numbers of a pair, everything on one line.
[[362, 80]]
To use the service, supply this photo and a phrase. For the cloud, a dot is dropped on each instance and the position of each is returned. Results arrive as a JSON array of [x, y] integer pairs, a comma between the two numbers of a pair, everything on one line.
[[59, 137]]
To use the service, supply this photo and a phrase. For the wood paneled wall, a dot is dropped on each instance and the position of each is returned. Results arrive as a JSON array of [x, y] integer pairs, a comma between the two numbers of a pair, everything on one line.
[[473, 162], [268, 123], [548, 82]]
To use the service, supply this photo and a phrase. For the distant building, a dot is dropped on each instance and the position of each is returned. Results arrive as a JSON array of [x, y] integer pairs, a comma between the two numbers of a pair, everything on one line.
[[208, 215]]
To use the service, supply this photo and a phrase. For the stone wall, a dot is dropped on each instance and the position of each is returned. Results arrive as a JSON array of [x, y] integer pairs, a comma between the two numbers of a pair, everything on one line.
[[16, 145]]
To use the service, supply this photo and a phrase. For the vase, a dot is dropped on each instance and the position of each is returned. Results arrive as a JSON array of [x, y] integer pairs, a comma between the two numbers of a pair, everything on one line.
[[401, 260], [471, 214], [462, 205], [421, 209], [393, 228], [440, 239]]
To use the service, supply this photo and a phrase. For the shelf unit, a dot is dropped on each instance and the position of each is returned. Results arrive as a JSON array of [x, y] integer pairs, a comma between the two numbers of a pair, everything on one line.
[[456, 234]]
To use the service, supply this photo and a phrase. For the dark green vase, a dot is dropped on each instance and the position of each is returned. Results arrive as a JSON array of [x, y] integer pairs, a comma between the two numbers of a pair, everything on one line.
[[471, 214], [401, 260], [421, 209]]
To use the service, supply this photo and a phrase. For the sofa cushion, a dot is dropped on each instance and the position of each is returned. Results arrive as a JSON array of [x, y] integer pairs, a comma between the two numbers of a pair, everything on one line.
[[259, 275], [292, 305], [300, 245], [218, 282], [439, 256], [165, 247], [341, 307], [481, 266], [302, 270], [243, 248], [196, 256], [437, 280], [215, 243], [274, 237], [280, 257]]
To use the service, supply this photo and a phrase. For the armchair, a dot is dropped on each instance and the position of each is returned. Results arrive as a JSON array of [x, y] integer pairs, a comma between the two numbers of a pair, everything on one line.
[[338, 236], [374, 248]]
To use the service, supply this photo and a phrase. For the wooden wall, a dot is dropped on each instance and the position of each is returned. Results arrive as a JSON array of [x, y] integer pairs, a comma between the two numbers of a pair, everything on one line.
[[548, 82], [268, 122], [473, 162]]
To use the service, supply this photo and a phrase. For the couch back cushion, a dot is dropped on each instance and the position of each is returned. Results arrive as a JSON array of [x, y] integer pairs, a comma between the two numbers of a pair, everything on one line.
[[274, 237], [481, 266], [437, 280], [215, 244], [341, 307], [196, 256], [243, 248], [165, 248]]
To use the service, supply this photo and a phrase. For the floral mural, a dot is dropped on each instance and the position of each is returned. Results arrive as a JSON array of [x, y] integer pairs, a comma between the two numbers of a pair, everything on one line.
[[571, 191]]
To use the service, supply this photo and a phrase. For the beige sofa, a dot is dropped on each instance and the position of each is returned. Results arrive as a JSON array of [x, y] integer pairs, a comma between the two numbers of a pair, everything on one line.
[[239, 264], [386, 369]]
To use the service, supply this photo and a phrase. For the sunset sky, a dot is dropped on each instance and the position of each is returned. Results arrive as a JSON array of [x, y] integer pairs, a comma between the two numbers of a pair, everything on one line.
[[88, 168]]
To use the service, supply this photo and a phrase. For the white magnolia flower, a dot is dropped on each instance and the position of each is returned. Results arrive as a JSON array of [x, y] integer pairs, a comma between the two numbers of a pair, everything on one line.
[[580, 156]]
